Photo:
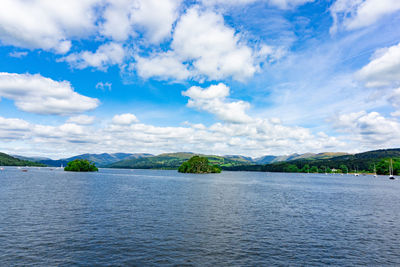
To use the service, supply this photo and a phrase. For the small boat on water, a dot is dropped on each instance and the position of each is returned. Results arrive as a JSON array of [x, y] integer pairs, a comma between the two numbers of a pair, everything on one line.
[[375, 171], [24, 170], [391, 176], [356, 173]]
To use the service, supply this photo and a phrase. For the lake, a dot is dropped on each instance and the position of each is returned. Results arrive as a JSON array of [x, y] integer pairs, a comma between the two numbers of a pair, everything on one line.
[[163, 218]]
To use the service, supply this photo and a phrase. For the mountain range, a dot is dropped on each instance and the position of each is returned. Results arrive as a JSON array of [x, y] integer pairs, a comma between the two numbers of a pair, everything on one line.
[[172, 160]]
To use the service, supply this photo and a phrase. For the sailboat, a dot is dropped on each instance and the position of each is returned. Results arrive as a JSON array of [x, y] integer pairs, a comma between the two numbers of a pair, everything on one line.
[[391, 177], [374, 171], [356, 173]]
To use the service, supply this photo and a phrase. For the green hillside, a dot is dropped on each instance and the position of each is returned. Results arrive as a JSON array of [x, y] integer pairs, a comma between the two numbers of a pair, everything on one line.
[[173, 161], [362, 162], [7, 160]]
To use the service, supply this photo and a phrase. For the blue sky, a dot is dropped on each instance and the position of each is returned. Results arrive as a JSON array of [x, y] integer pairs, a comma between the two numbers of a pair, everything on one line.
[[251, 77]]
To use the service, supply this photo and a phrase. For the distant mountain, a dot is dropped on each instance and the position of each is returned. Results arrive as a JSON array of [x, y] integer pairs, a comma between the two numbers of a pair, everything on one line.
[[361, 161], [239, 158], [100, 160], [34, 159], [271, 159], [174, 160], [7, 160]]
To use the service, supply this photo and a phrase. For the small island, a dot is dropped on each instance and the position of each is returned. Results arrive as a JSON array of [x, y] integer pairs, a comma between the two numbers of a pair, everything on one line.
[[81, 165], [197, 164]]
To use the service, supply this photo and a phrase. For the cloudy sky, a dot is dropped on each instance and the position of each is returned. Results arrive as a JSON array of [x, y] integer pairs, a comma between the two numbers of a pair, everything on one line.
[[250, 77]]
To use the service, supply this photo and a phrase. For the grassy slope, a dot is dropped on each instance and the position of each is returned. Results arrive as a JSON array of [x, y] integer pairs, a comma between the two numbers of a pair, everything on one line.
[[7, 160]]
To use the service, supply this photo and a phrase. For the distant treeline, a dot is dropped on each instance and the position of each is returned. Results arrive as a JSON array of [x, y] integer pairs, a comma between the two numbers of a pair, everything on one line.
[[7, 160], [336, 165]]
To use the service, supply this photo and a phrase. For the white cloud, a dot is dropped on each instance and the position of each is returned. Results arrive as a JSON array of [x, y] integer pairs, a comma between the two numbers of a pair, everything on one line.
[[370, 130], [203, 47], [18, 54], [163, 66], [123, 18], [37, 94], [13, 129], [394, 98], [282, 4], [46, 24], [384, 68], [354, 14], [106, 55], [124, 119], [81, 120], [104, 86], [213, 100]]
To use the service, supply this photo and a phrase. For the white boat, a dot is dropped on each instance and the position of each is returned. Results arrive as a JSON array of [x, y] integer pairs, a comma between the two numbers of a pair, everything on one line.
[[391, 177], [374, 171], [356, 173]]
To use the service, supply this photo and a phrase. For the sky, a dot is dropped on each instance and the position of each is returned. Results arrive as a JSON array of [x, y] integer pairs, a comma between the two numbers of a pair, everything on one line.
[[224, 77]]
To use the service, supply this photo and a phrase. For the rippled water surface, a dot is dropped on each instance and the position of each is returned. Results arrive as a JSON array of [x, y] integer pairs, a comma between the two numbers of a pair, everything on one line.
[[151, 218]]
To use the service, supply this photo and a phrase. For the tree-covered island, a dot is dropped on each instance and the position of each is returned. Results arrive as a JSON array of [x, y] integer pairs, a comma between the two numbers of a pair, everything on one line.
[[197, 164], [81, 165]]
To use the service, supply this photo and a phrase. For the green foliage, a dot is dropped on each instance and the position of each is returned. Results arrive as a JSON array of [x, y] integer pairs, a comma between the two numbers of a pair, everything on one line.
[[81, 165], [344, 168], [363, 162], [197, 164], [291, 168], [383, 166], [306, 168], [7, 160]]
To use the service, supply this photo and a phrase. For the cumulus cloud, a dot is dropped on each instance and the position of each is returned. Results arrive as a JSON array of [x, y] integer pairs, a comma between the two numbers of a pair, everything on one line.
[[369, 129], [203, 47], [125, 134], [13, 129], [354, 14], [214, 100], [81, 120], [124, 119], [124, 18], [41, 95], [47, 25], [106, 55], [163, 66], [383, 69]]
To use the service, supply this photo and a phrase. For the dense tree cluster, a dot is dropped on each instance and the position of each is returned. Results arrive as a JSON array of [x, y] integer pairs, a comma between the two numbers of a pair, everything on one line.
[[197, 164], [81, 165], [346, 164], [383, 166]]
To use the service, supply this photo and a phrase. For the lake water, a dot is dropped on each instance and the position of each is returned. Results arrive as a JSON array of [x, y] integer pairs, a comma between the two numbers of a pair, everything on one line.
[[163, 218]]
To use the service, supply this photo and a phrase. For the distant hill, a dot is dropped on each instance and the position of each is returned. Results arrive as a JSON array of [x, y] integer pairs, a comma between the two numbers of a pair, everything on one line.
[[34, 159], [361, 161], [174, 160], [271, 159], [7, 160], [100, 160]]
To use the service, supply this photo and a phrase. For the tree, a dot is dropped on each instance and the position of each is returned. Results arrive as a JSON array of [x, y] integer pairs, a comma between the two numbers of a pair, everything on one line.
[[314, 169], [81, 165], [197, 164], [306, 168], [291, 168], [383, 166], [344, 168]]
